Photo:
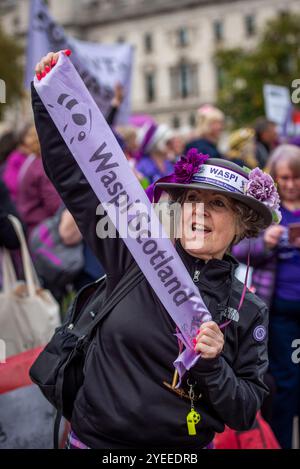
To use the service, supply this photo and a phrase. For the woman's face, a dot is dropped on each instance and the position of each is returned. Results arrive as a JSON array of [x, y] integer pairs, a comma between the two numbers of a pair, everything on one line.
[[288, 183], [209, 224], [215, 130]]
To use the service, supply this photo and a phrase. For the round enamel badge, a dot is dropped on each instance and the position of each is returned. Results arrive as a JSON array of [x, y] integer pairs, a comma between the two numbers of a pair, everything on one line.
[[259, 333]]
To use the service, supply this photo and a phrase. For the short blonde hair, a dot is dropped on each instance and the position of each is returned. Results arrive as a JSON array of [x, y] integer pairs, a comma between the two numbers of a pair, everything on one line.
[[251, 223], [127, 132], [287, 153], [206, 116]]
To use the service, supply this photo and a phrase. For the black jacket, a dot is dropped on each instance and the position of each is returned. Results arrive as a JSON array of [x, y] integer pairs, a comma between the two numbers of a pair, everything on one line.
[[123, 402], [204, 146]]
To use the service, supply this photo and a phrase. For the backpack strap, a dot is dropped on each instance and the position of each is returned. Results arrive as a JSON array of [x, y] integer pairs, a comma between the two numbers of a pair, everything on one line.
[[128, 282], [132, 277], [57, 421]]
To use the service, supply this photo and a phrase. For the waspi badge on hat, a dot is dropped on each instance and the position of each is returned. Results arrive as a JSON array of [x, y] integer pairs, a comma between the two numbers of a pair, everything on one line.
[[222, 177]]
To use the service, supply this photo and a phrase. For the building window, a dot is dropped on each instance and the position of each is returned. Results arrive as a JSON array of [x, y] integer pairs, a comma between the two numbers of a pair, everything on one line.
[[182, 37], [250, 25], [16, 22], [192, 120], [148, 43], [184, 81], [175, 122], [150, 87], [220, 77], [283, 12], [91, 3], [218, 30]]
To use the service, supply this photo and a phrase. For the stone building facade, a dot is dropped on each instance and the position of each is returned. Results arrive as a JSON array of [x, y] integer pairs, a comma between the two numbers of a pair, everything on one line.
[[174, 41]]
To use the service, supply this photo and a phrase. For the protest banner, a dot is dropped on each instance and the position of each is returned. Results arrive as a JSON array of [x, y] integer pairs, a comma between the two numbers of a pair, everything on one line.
[[101, 66]]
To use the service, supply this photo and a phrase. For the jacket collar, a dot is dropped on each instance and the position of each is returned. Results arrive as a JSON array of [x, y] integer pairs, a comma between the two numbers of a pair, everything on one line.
[[214, 281], [214, 272]]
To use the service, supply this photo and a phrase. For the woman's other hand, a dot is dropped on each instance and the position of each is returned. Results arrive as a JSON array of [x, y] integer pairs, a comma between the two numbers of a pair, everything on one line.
[[68, 230], [272, 236], [209, 340], [48, 62], [118, 96], [296, 243]]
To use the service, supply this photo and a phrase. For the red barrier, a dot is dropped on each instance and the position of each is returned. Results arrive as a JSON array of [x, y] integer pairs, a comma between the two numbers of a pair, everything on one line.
[[15, 372]]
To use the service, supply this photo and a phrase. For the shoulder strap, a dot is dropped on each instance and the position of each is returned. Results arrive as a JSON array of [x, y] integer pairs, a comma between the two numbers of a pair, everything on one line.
[[131, 278]]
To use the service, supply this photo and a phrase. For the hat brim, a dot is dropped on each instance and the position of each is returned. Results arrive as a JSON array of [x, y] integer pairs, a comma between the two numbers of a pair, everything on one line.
[[250, 202]]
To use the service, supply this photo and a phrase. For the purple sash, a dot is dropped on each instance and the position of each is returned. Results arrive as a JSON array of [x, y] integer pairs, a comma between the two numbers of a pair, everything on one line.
[[105, 166]]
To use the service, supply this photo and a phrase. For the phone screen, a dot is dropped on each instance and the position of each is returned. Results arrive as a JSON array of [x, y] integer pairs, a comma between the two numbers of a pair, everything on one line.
[[294, 232]]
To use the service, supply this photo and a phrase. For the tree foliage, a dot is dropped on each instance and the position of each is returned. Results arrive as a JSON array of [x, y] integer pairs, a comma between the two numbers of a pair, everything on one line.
[[11, 70], [274, 60]]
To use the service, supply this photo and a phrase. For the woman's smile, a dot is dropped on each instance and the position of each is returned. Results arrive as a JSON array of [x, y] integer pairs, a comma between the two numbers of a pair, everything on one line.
[[205, 229]]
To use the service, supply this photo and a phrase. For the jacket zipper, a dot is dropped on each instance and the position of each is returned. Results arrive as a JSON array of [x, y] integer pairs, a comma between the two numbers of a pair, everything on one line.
[[196, 272]]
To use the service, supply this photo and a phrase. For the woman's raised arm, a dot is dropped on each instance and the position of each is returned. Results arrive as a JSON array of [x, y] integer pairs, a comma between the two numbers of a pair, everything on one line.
[[74, 189]]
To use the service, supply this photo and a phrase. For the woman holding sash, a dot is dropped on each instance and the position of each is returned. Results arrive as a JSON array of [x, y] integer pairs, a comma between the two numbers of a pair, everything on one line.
[[128, 398]]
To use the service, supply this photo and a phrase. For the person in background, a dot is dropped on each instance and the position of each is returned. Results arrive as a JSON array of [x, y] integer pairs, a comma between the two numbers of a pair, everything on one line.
[[154, 162], [8, 237], [241, 147], [14, 163], [70, 236], [115, 104], [175, 147], [37, 197], [210, 125], [266, 136], [128, 136], [8, 142], [125, 135], [275, 257]]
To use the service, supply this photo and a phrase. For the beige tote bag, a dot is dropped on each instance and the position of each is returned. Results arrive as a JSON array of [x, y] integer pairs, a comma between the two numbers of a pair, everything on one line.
[[28, 313]]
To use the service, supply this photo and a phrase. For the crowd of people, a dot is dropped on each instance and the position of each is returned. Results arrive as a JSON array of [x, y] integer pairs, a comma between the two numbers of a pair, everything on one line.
[[152, 150]]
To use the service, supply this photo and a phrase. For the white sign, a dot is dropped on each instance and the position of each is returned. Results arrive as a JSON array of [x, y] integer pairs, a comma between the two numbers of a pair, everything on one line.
[[2, 92], [277, 103]]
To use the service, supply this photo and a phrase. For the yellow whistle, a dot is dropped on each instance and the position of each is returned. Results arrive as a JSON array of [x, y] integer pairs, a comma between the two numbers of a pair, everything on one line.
[[192, 419]]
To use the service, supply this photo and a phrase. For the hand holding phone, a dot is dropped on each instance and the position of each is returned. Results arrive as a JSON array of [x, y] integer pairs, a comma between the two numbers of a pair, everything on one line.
[[294, 234]]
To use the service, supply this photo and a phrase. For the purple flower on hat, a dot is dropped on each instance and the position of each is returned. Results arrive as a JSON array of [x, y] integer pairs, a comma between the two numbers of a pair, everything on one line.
[[261, 186], [188, 165]]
